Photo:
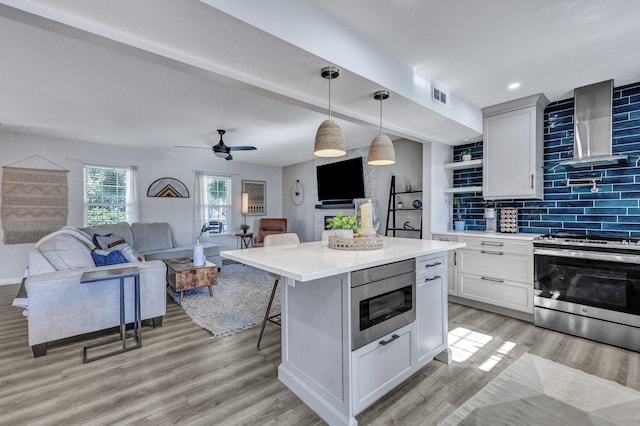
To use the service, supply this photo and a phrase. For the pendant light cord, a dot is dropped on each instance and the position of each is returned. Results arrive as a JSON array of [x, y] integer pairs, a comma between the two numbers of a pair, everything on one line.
[[381, 116], [330, 72]]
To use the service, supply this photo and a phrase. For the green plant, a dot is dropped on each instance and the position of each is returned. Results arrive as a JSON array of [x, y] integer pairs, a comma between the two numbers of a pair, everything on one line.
[[343, 222], [457, 203], [205, 228], [244, 227]]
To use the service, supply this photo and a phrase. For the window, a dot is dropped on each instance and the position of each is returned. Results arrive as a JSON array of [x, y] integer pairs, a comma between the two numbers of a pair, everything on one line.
[[216, 203], [109, 195]]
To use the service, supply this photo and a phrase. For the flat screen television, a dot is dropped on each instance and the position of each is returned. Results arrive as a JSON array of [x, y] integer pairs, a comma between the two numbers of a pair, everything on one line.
[[340, 182]]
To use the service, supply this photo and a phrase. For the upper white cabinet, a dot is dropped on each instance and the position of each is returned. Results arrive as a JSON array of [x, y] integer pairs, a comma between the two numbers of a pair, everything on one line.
[[513, 149]]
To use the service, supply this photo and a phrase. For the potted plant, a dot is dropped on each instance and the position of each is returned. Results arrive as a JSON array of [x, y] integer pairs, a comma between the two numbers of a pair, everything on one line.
[[204, 232], [458, 224], [244, 228], [344, 226], [466, 155]]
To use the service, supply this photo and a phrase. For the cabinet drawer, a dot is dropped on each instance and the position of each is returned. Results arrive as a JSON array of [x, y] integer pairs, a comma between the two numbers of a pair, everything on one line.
[[378, 367], [505, 293], [430, 265], [500, 244], [495, 263]]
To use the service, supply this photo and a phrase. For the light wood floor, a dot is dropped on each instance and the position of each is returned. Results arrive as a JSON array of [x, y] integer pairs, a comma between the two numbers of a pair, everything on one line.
[[183, 376]]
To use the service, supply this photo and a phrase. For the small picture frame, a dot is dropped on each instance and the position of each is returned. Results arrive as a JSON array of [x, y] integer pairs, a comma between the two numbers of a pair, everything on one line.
[[257, 190]]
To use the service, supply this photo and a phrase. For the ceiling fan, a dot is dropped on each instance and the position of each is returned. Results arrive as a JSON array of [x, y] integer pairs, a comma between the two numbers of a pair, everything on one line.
[[221, 149], [224, 151]]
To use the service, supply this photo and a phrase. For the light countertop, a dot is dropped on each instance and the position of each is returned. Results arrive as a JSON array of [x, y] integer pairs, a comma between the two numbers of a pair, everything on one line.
[[314, 260], [483, 234]]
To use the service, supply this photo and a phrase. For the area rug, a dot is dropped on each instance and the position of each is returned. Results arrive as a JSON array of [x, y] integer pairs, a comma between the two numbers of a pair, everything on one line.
[[536, 391], [239, 300]]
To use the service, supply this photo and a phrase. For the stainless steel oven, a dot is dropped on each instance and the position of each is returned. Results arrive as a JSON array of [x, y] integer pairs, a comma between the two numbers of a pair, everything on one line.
[[382, 301], [589, 288]]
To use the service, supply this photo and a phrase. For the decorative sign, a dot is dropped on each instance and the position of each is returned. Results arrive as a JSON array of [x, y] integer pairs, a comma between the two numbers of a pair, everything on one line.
[[257, 191], [168, 188]]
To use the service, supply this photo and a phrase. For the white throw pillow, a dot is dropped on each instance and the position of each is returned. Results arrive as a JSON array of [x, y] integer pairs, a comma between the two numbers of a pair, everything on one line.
[[66, 252], [80, 236]]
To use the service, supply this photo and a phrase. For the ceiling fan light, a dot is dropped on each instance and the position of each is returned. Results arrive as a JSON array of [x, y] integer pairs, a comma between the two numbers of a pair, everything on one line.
[[330, 140], [381, 152]]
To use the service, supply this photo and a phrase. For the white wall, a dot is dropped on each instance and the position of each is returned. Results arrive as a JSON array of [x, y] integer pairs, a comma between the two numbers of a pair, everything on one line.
[[440, 203], [408, 169], [152, 164]]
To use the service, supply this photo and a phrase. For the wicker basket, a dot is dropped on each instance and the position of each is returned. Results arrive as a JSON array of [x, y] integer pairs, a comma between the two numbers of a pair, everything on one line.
[[356, 243]]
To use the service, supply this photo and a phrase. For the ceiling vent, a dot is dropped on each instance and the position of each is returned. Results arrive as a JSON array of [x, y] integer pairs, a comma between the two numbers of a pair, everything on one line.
[[440, 95]]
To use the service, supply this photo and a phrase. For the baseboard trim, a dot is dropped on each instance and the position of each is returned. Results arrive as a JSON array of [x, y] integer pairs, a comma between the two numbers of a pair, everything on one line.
[[9, 281], [492, 308]]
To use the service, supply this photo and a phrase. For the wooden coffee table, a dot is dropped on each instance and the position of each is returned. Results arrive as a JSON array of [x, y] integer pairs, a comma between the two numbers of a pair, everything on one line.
[[182, 275]]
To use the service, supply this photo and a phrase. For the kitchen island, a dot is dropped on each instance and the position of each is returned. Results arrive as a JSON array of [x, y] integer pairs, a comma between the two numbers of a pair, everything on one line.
[[320, 362]]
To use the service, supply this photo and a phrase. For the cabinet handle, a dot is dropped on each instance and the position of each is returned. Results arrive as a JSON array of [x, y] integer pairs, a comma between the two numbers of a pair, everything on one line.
[[492, 279], [497, 253], [432, 265], [531, 181], [455, 258], [435, 277], [488, 243], [386, 342]]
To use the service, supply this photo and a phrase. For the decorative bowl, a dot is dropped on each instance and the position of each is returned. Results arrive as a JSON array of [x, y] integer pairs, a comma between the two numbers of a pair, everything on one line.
[[417, 204]]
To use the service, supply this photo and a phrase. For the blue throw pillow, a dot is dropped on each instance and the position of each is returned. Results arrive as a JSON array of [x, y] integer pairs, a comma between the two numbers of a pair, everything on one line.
[[111, 258]]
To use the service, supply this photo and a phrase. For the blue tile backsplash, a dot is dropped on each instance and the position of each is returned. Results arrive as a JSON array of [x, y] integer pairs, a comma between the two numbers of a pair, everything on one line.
[[613, 210]]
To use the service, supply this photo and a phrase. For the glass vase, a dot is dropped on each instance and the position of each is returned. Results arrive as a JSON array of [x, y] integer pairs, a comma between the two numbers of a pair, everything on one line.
[[368, 218]]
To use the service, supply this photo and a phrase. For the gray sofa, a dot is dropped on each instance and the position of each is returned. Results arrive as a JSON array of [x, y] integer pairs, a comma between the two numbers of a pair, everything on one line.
[[59, 306], [155, 241]]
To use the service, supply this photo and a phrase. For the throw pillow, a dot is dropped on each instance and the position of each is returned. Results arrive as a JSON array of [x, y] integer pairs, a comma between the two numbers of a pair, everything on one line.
[[64, 231], [66, 252], [108, 241], [103, 258], [113, 242]]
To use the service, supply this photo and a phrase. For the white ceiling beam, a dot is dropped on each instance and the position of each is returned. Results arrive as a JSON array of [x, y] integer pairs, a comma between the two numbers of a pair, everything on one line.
[[312, 29]]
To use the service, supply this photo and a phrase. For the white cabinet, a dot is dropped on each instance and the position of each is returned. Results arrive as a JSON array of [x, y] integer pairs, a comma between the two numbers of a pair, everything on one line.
[[497, 291], [452, 263], [513, 149], [381, 365], [431, 300], [497, 271]]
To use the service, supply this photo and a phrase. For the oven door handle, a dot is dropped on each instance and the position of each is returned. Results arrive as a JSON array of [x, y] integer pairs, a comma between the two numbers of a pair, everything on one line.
[[590, 255], [386, 342]]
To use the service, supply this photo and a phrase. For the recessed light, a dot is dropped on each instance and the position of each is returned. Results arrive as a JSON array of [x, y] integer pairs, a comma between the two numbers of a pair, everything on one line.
[[513, 86]]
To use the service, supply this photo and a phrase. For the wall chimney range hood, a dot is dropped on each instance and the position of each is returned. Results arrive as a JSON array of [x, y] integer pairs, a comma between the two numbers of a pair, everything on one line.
[[593, 141]]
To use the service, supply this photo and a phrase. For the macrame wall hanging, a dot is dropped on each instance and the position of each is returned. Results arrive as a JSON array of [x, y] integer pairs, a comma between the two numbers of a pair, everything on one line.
[[34, 202]]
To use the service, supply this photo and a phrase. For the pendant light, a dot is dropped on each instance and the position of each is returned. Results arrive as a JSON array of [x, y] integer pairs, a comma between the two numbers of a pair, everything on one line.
[[381, 152], [329, 137]]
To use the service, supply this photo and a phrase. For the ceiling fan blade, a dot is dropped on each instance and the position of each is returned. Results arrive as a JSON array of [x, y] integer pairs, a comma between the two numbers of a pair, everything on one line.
[[192, 147], [242, 148]]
